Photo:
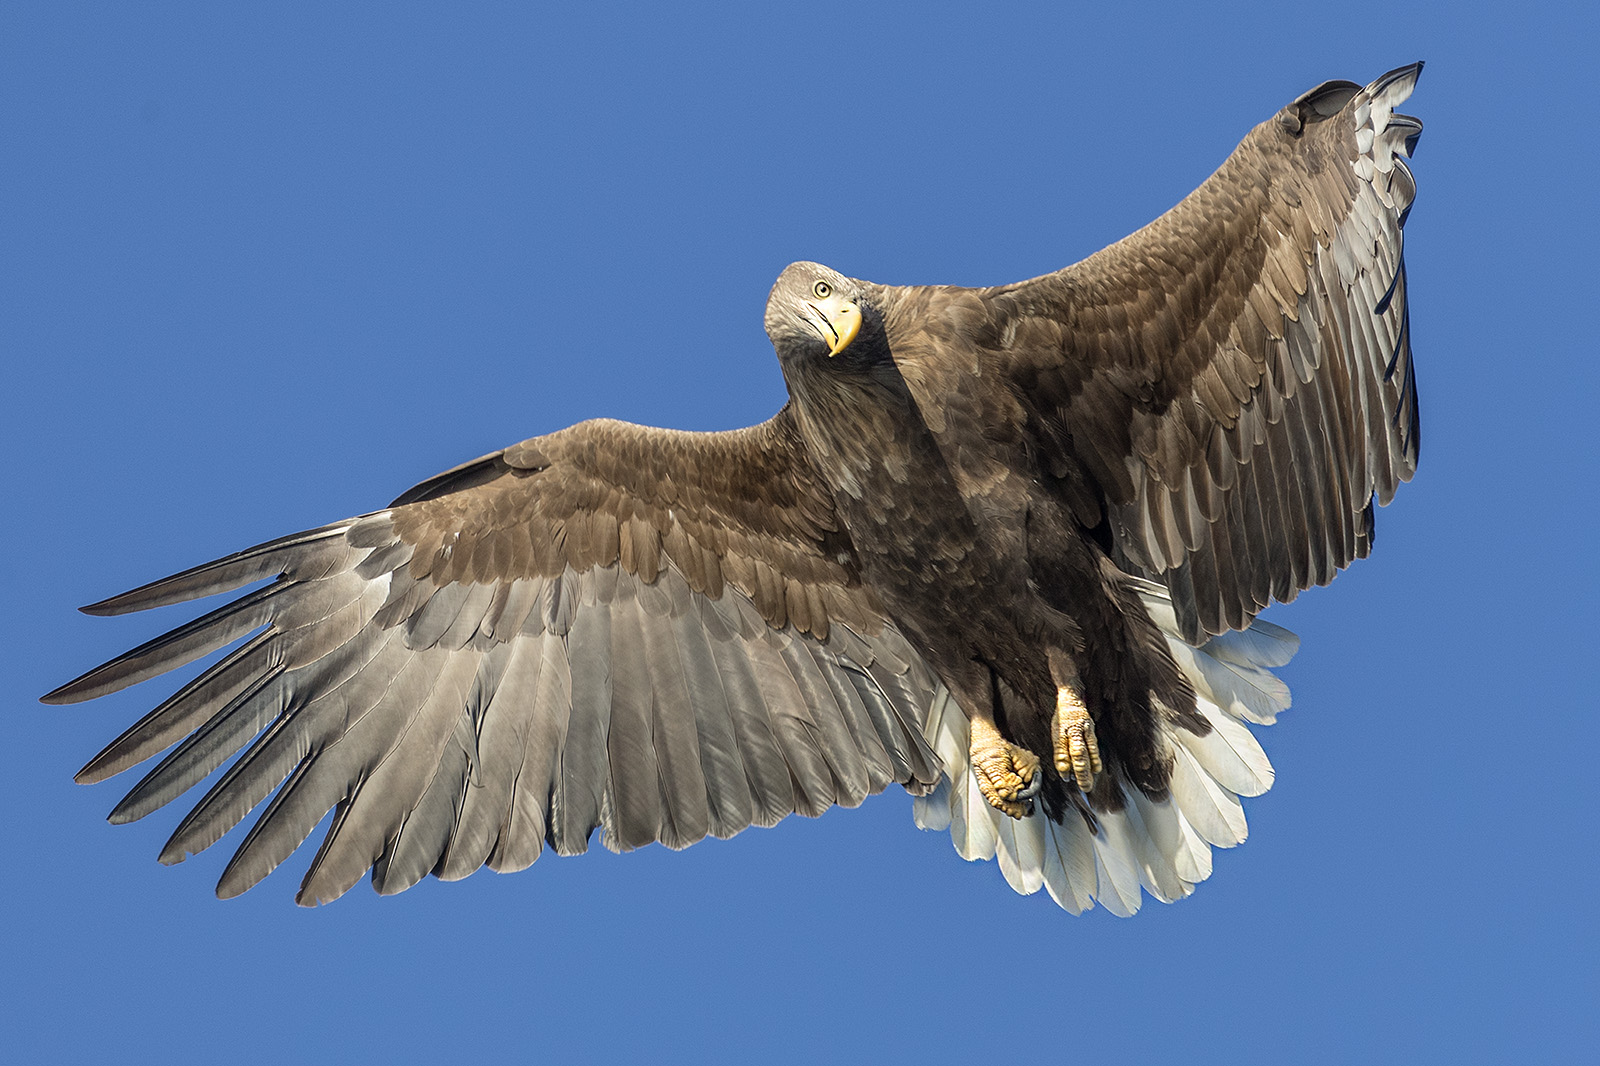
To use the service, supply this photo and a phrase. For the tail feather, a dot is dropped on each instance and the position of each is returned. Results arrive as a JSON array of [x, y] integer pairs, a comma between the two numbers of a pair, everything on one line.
[[1230, 753], [1069, 866], [1118, 888], [1165, 847], [1020, 848], [1212, 811]]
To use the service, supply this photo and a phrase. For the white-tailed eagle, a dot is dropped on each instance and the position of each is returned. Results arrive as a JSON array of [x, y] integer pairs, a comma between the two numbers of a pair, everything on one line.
[[1004, 547]]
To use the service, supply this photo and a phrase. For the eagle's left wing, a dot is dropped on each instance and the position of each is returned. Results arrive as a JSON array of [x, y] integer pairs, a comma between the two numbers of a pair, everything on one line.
[[1231, 387]]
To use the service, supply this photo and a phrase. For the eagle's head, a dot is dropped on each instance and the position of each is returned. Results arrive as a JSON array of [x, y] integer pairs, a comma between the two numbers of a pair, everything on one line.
[[815, 313]]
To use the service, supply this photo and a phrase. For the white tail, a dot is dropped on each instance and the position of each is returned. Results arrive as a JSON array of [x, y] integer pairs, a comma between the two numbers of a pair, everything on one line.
[[1165, 847]]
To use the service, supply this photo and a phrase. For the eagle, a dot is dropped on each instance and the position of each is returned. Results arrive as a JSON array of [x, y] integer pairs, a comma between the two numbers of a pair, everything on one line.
[[1004, 547]]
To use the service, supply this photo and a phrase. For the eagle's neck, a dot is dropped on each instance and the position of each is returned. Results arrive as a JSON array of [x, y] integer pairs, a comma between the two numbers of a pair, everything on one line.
[[891, 484], [860, 424]]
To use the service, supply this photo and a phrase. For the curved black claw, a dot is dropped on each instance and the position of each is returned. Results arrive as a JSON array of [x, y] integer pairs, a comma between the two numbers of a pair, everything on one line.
[[1033, 786]]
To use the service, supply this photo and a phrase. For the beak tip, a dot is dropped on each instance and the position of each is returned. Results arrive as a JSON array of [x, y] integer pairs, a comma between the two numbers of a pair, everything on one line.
[[846, 322]]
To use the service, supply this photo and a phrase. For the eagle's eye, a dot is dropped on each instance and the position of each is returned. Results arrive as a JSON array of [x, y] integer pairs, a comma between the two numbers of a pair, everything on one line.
[[821, 290]]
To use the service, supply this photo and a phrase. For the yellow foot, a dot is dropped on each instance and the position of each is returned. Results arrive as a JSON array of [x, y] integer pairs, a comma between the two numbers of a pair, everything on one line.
[[1072, 730], [1008, 776]]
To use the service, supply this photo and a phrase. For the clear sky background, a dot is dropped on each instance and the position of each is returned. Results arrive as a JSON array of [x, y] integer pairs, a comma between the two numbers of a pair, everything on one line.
[[264, 266]]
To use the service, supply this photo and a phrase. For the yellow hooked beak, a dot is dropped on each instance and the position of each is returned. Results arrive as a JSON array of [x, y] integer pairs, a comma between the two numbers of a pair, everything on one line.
[[837, 319]]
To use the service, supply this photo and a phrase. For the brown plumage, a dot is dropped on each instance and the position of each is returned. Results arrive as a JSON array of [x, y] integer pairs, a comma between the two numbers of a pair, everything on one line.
[[971, 495]]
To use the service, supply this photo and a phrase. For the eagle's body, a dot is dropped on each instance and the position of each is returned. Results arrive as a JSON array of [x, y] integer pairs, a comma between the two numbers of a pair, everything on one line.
[[1003, 546], [927, 454]]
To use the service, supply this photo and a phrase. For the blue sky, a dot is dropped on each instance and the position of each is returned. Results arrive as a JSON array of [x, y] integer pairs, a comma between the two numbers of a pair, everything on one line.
[[262, 269]]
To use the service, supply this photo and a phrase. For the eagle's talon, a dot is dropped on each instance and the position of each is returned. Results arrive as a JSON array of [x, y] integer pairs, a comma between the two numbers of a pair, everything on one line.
[[1077, 752], [1008, 776]]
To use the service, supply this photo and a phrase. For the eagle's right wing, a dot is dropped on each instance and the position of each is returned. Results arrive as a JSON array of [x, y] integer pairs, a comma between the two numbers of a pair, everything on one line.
[[662, 634]]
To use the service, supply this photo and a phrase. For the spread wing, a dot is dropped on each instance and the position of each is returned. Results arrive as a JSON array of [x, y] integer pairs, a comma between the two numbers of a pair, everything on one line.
[[1230, 387], [662, 634]]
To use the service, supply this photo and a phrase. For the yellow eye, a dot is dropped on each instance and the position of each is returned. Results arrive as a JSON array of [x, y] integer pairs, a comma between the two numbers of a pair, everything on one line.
[[822, 290]]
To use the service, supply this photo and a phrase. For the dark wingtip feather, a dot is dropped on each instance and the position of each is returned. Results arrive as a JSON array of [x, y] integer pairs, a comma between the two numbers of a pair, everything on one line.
[[171, 650], [63, 695], [269, 559], [1410, 70], [1382, 305], [85, 686], [118, 604]]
